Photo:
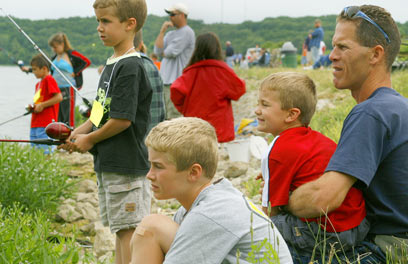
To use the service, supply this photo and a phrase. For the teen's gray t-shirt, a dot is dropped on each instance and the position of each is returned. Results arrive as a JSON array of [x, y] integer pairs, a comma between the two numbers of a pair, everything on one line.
[[217, 226]]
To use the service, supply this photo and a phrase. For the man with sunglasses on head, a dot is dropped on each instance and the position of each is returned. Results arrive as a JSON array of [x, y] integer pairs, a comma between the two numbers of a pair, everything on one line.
[[175, 47], [373, 148]]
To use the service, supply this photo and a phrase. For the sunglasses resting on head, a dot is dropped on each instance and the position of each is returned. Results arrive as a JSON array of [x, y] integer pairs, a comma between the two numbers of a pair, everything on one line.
[[354, 11]]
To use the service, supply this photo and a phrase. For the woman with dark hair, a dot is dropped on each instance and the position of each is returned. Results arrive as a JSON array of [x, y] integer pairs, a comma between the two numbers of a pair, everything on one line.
[[207, 86]]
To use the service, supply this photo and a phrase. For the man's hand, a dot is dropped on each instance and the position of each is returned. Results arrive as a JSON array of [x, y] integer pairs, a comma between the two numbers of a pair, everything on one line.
[[165, 26]]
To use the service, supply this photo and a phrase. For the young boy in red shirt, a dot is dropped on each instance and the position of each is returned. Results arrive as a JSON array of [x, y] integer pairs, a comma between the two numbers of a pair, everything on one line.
[[298, 154], [46, 101]]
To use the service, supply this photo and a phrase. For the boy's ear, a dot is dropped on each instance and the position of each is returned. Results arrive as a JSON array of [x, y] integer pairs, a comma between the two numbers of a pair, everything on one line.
[[131, 23], [195, 173], [293, 114]]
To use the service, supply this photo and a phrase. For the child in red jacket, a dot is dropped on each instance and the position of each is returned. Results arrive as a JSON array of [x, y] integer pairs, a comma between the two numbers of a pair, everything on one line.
[[207, 86]]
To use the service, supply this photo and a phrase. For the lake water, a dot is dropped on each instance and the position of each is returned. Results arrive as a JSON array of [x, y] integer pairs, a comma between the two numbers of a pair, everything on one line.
[[17, 91]]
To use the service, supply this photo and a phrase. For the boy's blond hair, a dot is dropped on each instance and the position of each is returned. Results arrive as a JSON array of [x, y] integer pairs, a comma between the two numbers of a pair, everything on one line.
[[126, 9], [296, 90], [186, 141]]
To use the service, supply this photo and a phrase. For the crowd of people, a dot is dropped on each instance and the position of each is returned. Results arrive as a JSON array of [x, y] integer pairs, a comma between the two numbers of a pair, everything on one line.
[[155, 128]]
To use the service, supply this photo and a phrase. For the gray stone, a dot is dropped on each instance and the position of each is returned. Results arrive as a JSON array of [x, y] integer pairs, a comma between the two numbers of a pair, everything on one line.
[[104, 240], [68, 213], [87, 186], [236, 169], [87, 210]]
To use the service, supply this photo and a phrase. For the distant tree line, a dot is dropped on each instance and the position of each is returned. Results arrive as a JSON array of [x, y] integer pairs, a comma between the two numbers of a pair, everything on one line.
[[270, 32]]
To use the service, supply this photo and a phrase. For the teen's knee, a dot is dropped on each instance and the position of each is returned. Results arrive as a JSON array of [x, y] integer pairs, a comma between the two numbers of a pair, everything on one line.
[[162, 229], [153, 224]]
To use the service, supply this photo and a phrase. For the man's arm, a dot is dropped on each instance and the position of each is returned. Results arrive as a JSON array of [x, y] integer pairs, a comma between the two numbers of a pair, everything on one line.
[[320, 196], [159, 43]]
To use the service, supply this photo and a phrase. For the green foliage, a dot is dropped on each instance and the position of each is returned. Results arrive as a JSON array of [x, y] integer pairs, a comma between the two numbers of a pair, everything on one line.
[[269, 256], [24, 238], [252, 187], [81, 31], [34, 180]]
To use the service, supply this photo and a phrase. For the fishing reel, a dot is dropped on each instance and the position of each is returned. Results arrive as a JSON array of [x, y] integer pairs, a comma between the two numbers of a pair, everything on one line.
[[58, 130], [85, 111]]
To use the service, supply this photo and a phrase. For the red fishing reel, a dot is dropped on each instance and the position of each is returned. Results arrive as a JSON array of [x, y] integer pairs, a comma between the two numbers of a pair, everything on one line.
[[58, 130]]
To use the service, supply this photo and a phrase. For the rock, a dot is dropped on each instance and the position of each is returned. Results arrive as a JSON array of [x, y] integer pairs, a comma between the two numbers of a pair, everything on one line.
[[88, 197], [87, 186], [236, 182], [222, 154], [106, 258], [88, 229], [323, 103], [68, 213], [236, 169], [87, 210], [104, 240]]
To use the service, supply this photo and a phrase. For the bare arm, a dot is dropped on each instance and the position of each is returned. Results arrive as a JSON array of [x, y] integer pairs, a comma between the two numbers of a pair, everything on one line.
[[159, 43], [320, 196], [84, 142], [55, 99]]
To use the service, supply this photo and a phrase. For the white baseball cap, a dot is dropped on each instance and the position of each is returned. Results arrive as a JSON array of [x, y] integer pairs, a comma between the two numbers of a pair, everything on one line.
[[177, 7]]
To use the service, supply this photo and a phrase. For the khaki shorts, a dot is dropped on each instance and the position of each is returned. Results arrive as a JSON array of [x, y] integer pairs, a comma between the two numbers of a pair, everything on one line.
[[171, 111], [124, 199]]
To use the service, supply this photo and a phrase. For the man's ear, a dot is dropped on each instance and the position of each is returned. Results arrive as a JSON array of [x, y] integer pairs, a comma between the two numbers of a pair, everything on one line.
[[131, 23], [377, 54], [195, 173], [293, 114]]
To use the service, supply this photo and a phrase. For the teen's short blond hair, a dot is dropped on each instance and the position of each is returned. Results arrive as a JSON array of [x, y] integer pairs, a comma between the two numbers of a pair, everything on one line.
[[186, 141], [126, 9], [296, 90]]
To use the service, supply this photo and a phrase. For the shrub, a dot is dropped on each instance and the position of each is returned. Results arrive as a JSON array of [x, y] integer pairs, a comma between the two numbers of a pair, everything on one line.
[[34, 180], [24, 238]]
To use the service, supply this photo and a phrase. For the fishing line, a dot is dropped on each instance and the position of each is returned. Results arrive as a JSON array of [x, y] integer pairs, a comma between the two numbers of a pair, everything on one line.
[[86, 101], [18, 63], [14, 118]]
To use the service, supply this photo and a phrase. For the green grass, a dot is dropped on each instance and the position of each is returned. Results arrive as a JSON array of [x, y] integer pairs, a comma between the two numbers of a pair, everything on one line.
[[25, 238], [34, 180]]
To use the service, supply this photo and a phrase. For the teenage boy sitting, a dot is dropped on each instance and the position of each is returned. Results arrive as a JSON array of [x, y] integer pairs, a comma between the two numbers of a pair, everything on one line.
[[214, 223], [297, 155]]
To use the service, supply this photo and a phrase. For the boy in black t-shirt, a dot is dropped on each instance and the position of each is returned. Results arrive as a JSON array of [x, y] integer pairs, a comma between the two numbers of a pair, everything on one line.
[[118, 123]]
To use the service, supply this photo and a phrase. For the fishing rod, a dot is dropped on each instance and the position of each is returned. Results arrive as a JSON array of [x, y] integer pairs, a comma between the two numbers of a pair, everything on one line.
[[57, 131], [19, 63], [17, 117], [86, 101], [45, 141]]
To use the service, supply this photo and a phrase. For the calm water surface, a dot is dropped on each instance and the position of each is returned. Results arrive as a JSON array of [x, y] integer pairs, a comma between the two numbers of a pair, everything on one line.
[[17, 90]]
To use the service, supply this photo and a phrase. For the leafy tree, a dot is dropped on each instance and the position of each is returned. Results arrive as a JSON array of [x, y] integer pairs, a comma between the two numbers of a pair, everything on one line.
[[81, 31]]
